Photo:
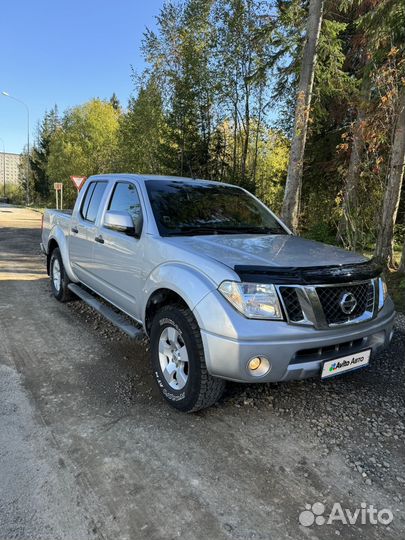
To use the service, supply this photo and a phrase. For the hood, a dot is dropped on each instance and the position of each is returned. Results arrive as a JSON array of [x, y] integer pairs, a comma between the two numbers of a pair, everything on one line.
[[265, 250]]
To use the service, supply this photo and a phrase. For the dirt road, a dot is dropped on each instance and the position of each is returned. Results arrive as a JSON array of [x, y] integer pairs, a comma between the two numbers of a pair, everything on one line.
[[89, 450]]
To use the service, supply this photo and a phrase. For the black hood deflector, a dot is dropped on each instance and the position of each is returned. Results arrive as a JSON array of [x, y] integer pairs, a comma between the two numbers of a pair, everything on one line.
[[310, 275]]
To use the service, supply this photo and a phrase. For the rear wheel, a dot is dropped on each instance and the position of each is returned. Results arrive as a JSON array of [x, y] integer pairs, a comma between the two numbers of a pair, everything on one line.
[[178, 361], [59, 278]]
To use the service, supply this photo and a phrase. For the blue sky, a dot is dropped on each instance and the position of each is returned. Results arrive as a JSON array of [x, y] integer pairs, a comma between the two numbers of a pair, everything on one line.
[[66, 52]]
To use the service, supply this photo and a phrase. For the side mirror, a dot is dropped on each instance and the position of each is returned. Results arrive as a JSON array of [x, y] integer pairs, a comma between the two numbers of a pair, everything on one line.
[[122, 222]]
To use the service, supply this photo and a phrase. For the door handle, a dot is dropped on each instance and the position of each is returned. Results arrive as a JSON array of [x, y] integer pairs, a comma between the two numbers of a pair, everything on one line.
[[99, 239], [74, 230]]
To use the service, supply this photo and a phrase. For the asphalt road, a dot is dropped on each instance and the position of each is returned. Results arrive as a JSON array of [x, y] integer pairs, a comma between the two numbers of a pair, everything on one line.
[[88, 450]]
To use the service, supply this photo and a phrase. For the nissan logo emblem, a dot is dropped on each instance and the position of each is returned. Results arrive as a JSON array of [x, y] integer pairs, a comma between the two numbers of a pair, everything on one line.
[[347, 303]]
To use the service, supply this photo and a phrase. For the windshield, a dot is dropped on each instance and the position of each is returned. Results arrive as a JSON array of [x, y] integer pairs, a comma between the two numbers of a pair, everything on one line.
[[195, 207]]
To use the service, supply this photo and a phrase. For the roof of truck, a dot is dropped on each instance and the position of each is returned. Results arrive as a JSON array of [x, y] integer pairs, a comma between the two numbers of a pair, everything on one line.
[[156, 177]]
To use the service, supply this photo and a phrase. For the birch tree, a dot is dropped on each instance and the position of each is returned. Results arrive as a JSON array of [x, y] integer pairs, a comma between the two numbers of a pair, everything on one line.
[[291, 202], [347, 228], [386, 26], [401, 268], [384, 246]]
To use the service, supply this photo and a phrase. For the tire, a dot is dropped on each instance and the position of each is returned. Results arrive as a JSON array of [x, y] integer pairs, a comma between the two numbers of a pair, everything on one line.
[[187, 385], [59, 278]]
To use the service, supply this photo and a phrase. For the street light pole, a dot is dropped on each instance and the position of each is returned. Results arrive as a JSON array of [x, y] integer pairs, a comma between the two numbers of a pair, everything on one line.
[[4, 168], [27, 193]]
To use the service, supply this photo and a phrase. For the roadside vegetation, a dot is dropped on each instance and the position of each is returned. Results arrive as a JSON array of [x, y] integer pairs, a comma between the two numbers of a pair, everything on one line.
[[301, 102]]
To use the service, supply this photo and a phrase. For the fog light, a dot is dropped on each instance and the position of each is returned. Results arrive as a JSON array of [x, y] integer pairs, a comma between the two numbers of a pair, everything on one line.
[[254, 363], [258, 366]]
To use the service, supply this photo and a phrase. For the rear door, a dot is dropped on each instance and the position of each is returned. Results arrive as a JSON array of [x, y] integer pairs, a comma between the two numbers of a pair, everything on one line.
[[119, 265], [83, 231]]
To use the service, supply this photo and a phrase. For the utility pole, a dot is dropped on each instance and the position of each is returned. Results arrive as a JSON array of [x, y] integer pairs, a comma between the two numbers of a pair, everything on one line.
[[27, 192]]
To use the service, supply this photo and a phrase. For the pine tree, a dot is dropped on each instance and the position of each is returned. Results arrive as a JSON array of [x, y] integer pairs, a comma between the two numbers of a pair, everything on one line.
[[41, 183], [141, 131], [114, 101]]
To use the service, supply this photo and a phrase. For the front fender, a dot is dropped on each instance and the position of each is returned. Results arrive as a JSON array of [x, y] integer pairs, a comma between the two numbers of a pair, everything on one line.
[[59, 237], [186, 281]]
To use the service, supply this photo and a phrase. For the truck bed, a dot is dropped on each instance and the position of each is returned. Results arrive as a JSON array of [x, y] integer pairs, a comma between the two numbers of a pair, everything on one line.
[[53, 218], [55, 211]]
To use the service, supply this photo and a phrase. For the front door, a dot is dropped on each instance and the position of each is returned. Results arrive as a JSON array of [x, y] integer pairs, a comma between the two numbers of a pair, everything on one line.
[[118, 261]]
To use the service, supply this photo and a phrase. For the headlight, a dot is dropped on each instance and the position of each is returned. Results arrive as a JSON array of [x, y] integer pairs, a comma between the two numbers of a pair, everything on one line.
[[254, 300], [382, 292]]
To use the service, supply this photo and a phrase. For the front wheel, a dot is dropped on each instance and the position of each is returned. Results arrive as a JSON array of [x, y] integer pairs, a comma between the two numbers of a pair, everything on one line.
[[178, 361]]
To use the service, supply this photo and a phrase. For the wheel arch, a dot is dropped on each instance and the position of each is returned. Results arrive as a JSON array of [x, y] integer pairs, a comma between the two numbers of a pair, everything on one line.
[[57, 239], [52, 245], [159, 298], [176, 284]]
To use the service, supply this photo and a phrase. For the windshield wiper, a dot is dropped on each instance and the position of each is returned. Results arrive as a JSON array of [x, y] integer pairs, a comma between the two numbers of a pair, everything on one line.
[[193, 230], [252, 230], [184, 231]]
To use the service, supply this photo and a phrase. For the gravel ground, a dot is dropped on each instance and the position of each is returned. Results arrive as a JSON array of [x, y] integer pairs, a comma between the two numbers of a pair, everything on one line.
[[361, 414], [30, 461], [89, 450]]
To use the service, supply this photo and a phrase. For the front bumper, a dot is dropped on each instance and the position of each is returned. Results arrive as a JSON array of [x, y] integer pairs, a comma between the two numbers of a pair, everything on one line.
[[295, 352]]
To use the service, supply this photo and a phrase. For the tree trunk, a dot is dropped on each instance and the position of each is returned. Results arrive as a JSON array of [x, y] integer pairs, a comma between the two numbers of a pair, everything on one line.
[[257, 135], [384, 246], [290, 211], [245, 147], [245, 143], [401, 268], [235, 134], [347, 232], [347, 227]]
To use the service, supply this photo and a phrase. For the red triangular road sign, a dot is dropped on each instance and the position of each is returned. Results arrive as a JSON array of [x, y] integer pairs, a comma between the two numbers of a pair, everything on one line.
[[78, 181]]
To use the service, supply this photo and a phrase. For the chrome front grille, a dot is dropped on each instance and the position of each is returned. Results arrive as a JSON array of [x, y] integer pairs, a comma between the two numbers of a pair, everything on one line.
[[330, 298], [321, 305], [292, 303]]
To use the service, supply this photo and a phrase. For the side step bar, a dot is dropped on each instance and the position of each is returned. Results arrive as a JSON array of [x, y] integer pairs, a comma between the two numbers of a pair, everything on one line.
[[107, 312]]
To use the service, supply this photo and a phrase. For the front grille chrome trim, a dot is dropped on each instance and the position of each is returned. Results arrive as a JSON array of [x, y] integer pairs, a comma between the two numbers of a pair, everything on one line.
[[313, 312], [319, 319]]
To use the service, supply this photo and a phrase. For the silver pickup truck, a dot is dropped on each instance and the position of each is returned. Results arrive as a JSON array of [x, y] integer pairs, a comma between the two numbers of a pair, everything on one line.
[[220, 285]]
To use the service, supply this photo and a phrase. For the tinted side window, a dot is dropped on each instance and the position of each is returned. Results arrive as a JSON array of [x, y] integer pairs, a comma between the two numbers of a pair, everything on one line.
[[87, 198], [125, 198], [95, 199]]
